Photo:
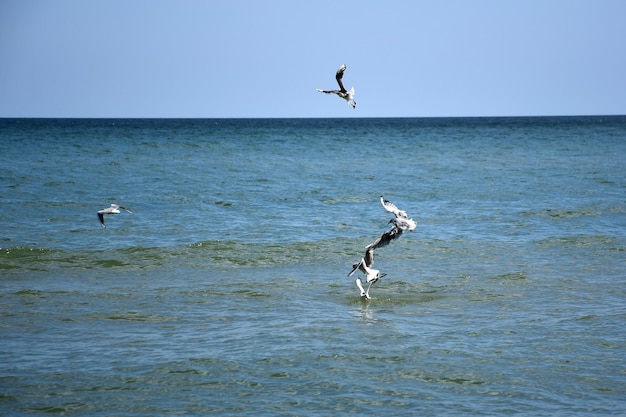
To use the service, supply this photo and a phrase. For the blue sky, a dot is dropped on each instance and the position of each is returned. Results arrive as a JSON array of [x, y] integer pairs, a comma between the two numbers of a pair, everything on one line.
[[236, 58]]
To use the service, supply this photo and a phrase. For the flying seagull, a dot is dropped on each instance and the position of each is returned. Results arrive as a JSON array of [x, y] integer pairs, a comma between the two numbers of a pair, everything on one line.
[[371, 275], [114, 209], [365, 264], [401, 218], [386, 237], [348, 96], [400, 223]]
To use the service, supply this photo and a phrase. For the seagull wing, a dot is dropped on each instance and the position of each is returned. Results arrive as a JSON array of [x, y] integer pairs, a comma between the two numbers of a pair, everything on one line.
[[328, 91], [356, 266], [101, 218], [390, 207], [369, 257], [339, 76], [386, 238]]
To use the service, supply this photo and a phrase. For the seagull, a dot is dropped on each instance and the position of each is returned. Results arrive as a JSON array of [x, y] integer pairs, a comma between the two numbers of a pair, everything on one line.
[[348, 96], [401, 218], [114, 209], [371, 275], [386, 237]]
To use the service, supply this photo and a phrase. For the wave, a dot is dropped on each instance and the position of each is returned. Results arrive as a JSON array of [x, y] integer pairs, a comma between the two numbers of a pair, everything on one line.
[[213, 253], [562, 214], [582, 241]]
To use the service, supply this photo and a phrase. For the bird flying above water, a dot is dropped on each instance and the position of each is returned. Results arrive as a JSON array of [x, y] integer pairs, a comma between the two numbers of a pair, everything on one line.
[[365, 266], [114, 209], [342, 92], [401, 217]]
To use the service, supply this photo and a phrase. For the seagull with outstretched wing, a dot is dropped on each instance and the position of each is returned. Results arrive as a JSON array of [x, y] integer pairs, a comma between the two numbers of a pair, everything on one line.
[[401, 218], [342, 92], [114, 209], [371, 275]]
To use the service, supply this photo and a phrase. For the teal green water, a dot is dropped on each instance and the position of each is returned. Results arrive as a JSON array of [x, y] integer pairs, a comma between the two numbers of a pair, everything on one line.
[[225, 291]]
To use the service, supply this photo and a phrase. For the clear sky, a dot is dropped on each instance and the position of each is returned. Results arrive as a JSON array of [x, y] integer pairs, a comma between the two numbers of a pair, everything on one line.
[[253, 58]]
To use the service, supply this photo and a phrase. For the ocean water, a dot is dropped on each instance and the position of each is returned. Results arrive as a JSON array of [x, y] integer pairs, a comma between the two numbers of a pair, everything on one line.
[[225, 292]]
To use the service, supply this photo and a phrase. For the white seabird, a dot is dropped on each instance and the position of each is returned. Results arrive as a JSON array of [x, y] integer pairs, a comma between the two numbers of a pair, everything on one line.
[[371, 275], [114, 209], [401, 217], [348, 96]]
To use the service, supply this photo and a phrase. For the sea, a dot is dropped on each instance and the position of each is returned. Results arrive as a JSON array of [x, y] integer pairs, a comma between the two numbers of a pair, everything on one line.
[[225, 291]]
